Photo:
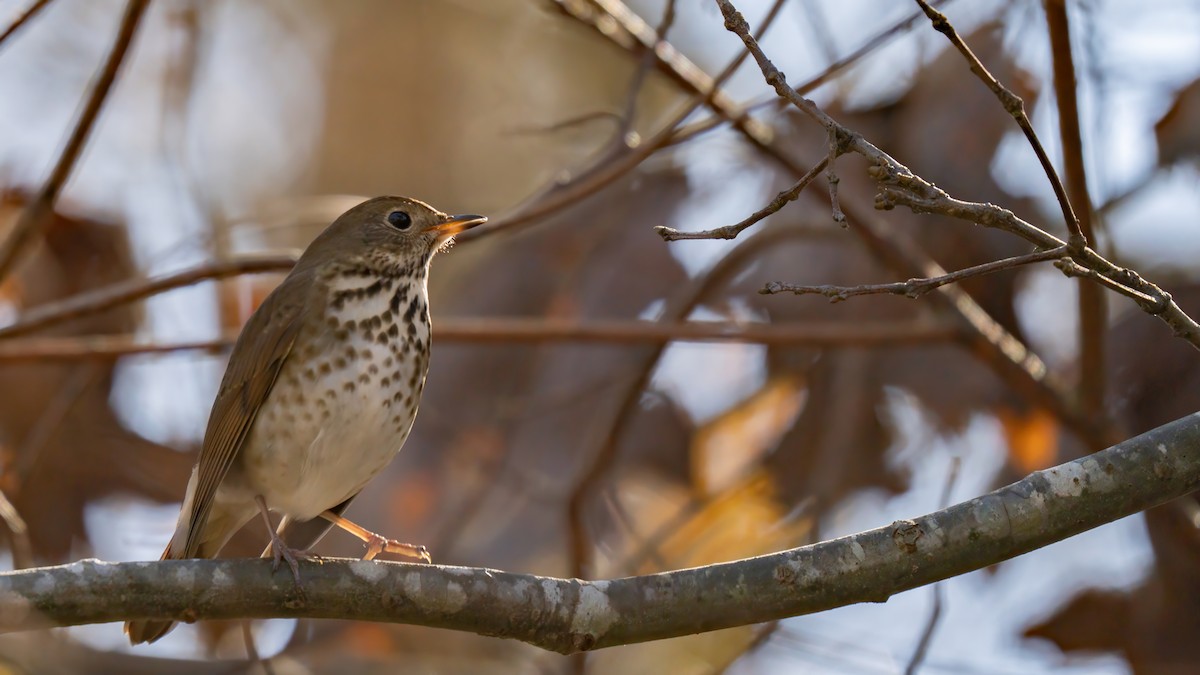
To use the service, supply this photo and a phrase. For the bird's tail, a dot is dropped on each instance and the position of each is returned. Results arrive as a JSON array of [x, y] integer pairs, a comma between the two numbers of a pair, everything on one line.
[[221, 524], [149, 630]]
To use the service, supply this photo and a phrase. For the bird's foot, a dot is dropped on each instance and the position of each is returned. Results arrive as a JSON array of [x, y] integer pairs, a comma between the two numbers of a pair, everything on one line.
[[377, 543], [281, 552]]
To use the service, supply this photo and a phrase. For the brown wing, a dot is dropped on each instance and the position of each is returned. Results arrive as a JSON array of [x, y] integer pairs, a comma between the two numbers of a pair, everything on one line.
[[257, 358]]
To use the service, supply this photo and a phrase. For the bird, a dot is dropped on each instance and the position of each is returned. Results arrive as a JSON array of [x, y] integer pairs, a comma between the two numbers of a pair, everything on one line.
[[320, 391]]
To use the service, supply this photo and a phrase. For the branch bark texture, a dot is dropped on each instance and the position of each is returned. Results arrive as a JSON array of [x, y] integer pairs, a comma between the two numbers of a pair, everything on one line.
[[569, 615]]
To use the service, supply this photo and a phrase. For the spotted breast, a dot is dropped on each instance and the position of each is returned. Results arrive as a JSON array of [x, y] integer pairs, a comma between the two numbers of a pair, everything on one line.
[[352, 394]]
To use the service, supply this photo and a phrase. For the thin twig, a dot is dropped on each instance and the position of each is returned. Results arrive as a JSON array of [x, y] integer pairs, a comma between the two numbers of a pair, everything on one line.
[[22, 548], [36, 213], [809, 333], [1071, 268], [732, 231], [1093, 310], [900, 186], [835, 151], [999, 349], [600, 448], [559, 195], [914, 288], [1005, 354], [647, 61], [122, 292], [1014, 106], [1015, 363], [22, 19], [492, 330], [880, 39], [618, 23]]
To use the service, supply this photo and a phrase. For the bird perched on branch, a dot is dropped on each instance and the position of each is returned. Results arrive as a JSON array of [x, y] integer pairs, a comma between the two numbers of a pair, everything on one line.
[[320, 392]]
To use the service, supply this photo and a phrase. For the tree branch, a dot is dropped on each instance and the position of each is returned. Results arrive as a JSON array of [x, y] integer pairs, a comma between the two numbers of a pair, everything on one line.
[[122, 292], [35, 214], [23, 18], [732, 231], [1093, 307], [913, 288], [569, 615], [1015, 107], [900, 186], [517, 330]]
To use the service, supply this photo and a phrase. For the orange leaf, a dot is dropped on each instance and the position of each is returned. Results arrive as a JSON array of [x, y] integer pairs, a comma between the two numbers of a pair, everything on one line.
[[725, 448], [1032, 438]]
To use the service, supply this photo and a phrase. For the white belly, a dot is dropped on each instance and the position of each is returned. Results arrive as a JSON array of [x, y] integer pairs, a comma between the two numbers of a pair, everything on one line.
[[345, 418]]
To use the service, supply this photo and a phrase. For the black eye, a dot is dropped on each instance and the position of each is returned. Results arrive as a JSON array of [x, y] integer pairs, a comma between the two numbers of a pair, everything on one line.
[[400, 220]]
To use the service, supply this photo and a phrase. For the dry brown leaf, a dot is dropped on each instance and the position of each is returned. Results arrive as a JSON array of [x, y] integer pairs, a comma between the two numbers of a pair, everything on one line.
[[1178, 132], [742, 521], [724, 449]]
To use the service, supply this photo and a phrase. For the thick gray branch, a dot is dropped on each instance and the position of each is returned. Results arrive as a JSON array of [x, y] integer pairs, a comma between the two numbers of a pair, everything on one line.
[[569, 615]]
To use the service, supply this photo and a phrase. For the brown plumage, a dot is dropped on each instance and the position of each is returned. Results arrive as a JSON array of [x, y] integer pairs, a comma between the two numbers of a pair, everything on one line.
[[321, 389]]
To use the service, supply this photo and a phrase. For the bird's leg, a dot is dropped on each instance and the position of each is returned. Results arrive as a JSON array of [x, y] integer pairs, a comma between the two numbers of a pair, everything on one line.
[[278, 547], [377, 543]]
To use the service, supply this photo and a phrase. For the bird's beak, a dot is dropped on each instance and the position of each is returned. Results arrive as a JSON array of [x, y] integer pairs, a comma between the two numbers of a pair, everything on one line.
[[452, 225]]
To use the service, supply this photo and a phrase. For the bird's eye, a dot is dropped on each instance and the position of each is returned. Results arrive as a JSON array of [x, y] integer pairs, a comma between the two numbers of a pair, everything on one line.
[[400, 220]]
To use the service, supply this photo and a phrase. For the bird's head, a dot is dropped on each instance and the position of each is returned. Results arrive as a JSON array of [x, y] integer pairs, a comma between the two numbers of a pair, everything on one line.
[[389, 234]]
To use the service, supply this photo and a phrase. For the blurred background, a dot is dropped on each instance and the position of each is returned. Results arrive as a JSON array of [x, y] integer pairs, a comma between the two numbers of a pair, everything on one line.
[[237, 130]]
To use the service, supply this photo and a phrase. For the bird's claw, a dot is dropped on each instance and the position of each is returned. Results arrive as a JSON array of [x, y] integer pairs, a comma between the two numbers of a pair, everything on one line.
[[281, 552]]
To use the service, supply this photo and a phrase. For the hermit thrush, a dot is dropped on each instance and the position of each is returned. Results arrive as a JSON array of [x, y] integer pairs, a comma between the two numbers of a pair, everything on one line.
[[321, 389]]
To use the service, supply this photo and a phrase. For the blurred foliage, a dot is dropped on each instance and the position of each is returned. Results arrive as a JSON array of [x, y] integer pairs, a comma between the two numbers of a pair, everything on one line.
[[472, 105]]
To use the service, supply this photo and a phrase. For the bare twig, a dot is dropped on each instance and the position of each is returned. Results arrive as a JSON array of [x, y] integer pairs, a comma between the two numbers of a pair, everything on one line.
[[1093, 311], [732, 231], [1014, 106], [122, 292], [570, 123], [22, 19], [570, 615], [899, 185], [996, 346], [99, 348], [926, 198], [1001, 351], [35, 214], [1073, 269], [658, 37], [600, 449], [835, 151], [914, 288], [618, 23], [18, 531], [524, 330], [612, 166], [882, 38]]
